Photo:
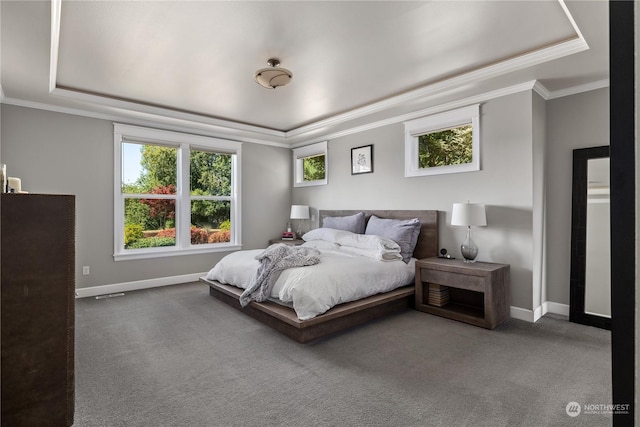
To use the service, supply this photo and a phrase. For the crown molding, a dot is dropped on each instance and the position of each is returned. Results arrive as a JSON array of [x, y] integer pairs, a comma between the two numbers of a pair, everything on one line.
[[534, 86], [189, 126], [569, 47], [586, 87], [541, 90], [149, 120], [161, 114], [476, 99]]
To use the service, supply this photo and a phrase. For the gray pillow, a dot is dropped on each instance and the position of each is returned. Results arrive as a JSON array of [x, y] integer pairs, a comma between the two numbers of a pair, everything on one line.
[[403, 232], [353, 223]]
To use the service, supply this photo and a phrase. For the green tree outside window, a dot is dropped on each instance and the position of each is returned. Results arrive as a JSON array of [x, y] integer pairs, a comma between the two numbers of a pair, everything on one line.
[[210, 175], [313, 168], [446, 147]]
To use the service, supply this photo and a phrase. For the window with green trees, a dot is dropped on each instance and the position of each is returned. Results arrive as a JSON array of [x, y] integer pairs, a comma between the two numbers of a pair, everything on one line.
[[149, 193], [447, 142], [446, 147], [174, 197], [310, 165], [313, 167]]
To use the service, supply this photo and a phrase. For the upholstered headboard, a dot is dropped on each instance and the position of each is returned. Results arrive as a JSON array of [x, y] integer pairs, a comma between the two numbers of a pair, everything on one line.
[[427, 245]]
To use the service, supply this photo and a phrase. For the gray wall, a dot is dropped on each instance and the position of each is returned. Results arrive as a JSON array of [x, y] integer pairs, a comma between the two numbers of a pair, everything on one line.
[[577, 121], [61, 153], [505, 185], [525, 180]]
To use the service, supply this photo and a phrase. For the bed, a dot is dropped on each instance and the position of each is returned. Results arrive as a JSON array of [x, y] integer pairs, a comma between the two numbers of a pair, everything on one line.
[[345, 315]]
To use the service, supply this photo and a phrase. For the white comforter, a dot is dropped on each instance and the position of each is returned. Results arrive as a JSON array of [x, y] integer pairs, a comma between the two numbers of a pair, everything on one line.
[[341, 276]]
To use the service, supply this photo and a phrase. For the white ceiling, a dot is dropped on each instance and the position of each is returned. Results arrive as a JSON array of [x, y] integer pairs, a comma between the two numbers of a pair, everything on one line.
[[191, 64]]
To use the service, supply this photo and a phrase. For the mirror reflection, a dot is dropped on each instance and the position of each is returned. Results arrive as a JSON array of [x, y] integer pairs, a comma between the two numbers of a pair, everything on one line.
[[598, 248]]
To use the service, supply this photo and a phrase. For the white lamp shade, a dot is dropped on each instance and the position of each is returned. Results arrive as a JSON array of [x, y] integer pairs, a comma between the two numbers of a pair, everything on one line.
[[468, 214], [299, 212]]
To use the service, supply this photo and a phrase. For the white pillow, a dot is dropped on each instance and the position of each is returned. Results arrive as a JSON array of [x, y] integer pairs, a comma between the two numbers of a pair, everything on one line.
[[377, 254], [326, 234], [367, 241], [321, 244]]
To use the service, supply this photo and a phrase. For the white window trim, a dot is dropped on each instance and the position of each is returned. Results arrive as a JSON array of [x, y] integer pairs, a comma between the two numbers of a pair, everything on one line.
[[447, 120], [317, 149], [182, 142]]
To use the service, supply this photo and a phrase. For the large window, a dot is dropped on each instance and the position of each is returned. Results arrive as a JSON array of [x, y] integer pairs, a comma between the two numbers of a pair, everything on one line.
[[174, 193], [448, 142], [310, 165]]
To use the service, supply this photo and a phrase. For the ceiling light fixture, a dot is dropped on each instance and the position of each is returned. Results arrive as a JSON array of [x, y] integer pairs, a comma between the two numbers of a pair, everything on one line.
[[273, 76]]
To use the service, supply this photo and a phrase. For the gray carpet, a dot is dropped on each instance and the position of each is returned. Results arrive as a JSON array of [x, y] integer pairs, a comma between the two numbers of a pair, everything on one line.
[[175, 356]]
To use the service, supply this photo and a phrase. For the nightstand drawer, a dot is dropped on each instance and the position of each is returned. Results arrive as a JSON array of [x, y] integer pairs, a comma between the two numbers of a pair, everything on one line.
[[456, 280]]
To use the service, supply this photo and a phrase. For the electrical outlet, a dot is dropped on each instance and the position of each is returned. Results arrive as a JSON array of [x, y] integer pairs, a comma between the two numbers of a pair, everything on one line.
[[85, 270]]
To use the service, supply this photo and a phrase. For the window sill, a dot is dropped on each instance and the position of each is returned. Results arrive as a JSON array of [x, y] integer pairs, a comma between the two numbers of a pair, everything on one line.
[[441, 170], [162, 253], [310, 183]]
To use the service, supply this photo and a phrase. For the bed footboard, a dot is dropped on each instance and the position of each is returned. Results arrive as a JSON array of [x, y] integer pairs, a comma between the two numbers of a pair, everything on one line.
[[339, 318]]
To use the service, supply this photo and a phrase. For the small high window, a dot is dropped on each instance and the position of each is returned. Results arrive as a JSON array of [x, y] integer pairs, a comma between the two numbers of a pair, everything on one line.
[[448, 142], [310, 165]]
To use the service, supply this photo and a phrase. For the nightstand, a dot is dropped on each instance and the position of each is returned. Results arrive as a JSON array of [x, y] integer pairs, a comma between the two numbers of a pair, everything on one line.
[[295, 242], [476, 293]]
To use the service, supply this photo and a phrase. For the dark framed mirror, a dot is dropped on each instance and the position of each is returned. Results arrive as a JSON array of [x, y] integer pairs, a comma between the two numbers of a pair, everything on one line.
[[590, 284]]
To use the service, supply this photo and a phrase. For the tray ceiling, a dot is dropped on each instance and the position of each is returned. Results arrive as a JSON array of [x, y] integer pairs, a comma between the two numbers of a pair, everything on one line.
[[196, 60]]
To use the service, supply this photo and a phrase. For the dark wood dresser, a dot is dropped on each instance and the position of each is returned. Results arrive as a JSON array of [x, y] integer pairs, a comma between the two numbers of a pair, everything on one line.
[[38, 309]]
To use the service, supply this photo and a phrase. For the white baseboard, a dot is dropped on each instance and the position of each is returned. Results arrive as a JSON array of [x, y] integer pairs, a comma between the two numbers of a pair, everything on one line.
[[535, 315], [556, 308], [522, 314], [137, 285]]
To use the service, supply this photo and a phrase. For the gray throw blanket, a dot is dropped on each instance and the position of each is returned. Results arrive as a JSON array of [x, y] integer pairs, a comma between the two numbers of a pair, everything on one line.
[[273, 260]]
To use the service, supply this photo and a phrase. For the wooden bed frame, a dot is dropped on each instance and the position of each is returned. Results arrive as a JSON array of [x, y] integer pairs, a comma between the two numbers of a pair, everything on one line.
[[342, 316]]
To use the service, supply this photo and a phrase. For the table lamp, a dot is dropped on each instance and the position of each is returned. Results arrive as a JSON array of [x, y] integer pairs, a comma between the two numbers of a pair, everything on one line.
[[469, 215], [299, 212]]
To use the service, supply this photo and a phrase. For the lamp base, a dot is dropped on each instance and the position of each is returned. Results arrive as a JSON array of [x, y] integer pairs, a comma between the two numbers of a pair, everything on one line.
[[468, 249]]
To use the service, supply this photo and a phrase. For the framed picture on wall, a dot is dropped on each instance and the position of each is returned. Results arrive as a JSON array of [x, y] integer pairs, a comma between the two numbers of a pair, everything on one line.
[[362, 160]]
